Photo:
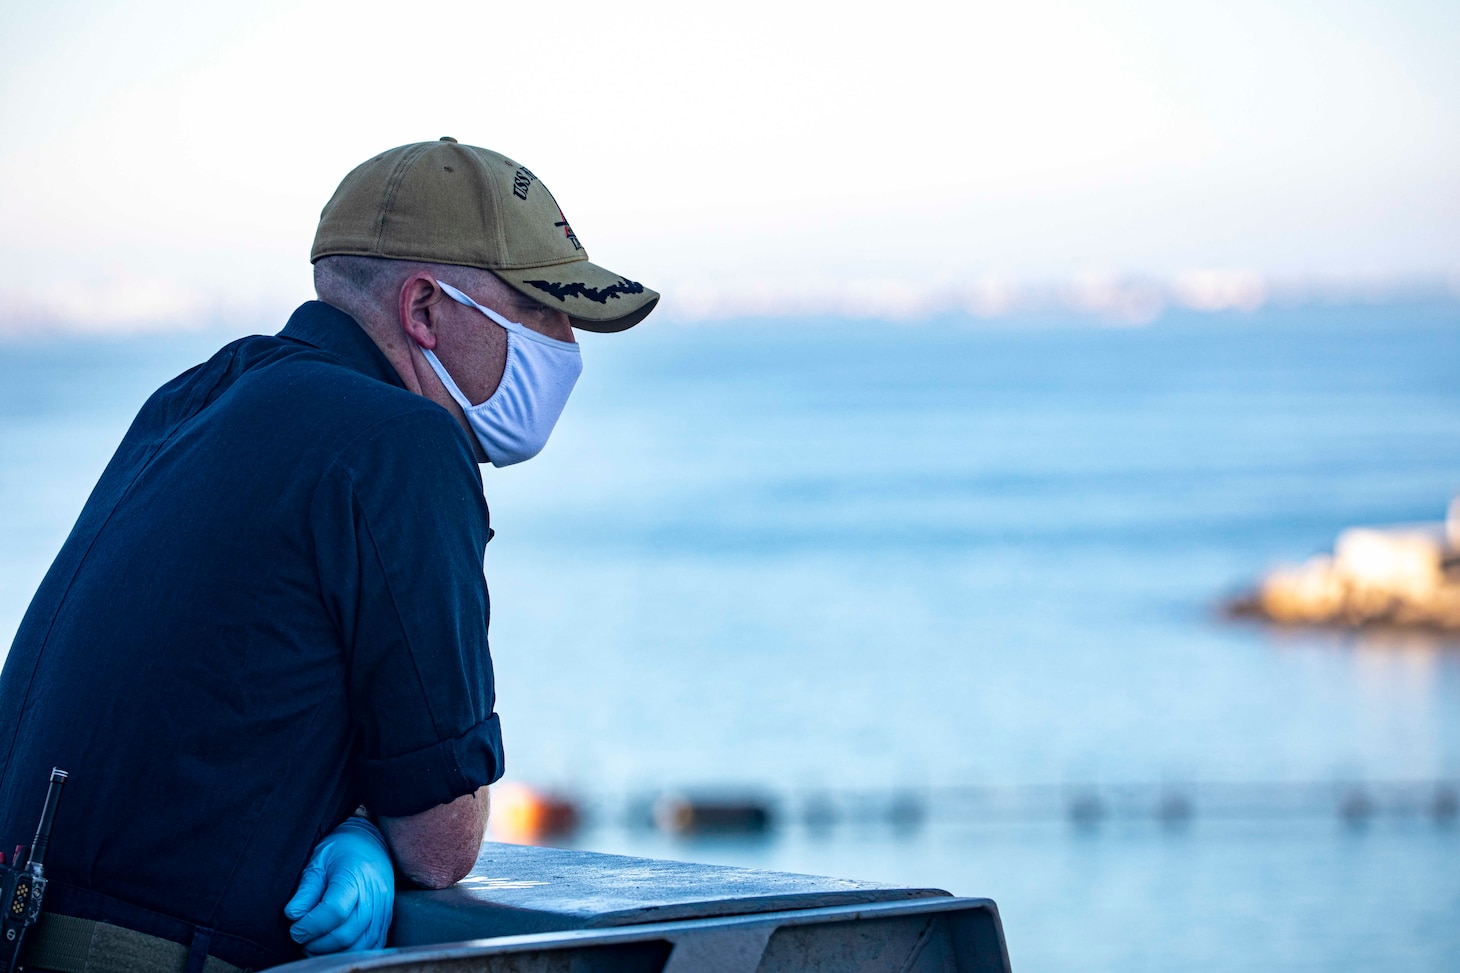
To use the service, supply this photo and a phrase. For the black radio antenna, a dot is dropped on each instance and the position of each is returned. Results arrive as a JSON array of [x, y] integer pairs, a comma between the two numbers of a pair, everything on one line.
[[48, 814]]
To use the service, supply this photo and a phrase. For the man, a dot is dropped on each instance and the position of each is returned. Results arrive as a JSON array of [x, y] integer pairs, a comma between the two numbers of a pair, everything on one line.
[[272, 611]]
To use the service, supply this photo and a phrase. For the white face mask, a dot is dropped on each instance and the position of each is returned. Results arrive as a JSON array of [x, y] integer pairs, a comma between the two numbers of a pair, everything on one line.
[[515, 422]]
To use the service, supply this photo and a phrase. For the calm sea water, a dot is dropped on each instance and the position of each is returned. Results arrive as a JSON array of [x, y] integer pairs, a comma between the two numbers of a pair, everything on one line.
[[856, 558]]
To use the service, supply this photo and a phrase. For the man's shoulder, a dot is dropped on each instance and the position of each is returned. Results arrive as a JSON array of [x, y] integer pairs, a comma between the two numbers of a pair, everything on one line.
[[291, 398], [365, 423], [320, 387]]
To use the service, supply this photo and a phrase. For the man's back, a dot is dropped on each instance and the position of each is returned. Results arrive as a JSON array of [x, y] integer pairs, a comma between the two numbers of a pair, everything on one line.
[[270, 610]]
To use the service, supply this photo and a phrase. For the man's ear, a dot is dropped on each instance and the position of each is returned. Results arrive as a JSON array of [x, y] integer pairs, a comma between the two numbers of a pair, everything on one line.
[[420, 307]]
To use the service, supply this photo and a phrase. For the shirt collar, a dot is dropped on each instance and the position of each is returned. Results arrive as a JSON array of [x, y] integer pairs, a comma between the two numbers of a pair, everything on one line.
[[326, 327]]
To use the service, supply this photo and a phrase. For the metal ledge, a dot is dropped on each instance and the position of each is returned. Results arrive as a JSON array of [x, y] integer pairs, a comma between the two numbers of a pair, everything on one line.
[[517, 889], [930, 935]]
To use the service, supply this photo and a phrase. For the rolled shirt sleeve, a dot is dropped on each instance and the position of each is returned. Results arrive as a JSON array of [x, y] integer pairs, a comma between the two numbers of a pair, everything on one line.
[[400, 527]]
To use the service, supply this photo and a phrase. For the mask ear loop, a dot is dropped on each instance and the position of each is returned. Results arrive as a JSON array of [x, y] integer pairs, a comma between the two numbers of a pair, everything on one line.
[[520, 330], [452, 388]]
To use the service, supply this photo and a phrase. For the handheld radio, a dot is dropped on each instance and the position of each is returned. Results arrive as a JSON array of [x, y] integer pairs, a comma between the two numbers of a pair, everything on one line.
[[23, 882]]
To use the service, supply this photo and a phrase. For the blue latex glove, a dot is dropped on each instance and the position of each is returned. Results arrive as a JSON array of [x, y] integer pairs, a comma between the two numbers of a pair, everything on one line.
[[347, 892]]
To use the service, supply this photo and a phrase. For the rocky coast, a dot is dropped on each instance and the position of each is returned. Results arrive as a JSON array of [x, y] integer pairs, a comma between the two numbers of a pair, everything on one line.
[[1404, 575]]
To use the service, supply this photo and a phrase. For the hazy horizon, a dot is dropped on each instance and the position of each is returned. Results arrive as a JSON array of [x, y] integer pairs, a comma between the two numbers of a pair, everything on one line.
[[162, 162]]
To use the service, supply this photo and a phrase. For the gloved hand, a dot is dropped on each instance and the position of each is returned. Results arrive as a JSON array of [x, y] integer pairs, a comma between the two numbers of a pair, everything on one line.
[[347, 892]]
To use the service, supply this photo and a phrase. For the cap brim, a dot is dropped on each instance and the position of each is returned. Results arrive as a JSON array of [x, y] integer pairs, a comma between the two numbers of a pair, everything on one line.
[[595, 299]]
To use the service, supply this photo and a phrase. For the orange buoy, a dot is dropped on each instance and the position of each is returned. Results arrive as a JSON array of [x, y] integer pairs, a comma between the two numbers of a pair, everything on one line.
[[522, 815]]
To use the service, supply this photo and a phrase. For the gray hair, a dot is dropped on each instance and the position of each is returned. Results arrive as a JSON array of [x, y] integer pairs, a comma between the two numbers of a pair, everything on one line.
[[366, 288], [359, 285]]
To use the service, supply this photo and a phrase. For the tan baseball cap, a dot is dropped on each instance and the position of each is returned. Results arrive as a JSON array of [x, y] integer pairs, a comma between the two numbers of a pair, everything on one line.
[[444, 202]]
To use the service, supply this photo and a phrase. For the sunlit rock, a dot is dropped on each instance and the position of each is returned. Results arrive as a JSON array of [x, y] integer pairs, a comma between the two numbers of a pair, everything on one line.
[[1406, 575]]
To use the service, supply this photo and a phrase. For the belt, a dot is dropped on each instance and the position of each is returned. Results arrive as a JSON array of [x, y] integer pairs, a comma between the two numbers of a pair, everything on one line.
[[66, 944]]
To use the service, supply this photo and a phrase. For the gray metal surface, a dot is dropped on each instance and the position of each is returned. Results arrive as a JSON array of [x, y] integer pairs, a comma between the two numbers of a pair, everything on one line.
[[516, 889], [934, 935]]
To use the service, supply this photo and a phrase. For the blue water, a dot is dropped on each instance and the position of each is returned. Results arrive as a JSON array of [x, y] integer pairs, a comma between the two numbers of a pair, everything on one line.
[[856, 557]]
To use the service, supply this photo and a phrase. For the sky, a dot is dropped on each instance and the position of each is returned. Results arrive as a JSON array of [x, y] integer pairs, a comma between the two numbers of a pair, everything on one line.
[[164, 163]]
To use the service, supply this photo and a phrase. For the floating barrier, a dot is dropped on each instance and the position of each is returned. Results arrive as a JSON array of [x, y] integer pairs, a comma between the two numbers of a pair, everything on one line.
[[523, 815], [1174, 808]]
